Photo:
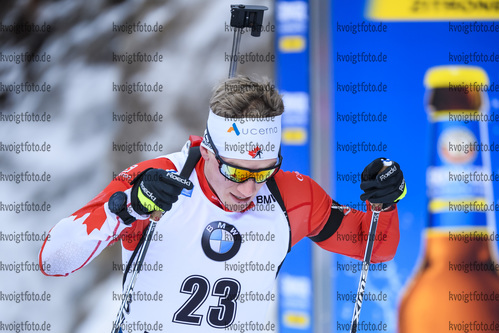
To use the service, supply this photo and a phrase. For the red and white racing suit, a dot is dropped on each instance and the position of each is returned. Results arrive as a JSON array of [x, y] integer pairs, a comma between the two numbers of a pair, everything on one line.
[[208, 256]]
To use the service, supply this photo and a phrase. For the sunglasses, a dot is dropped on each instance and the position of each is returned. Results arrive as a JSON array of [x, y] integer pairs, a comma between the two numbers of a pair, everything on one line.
[[238, 174]]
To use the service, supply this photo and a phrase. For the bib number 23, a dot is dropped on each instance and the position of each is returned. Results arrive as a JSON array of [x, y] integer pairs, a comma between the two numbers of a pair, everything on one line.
[[219, 316]]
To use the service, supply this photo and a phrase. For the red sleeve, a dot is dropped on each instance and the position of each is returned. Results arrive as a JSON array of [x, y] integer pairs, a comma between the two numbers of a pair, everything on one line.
[[310, 213], [305, 201], [351, 237]]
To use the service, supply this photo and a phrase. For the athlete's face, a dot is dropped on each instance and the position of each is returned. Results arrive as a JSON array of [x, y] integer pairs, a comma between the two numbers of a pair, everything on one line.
[[234, 196]]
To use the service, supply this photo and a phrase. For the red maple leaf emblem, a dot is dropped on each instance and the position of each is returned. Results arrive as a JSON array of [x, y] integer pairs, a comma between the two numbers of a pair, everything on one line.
[[255, 152]]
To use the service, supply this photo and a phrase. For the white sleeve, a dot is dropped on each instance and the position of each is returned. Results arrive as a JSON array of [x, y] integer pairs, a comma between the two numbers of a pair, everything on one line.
[[77, 240]]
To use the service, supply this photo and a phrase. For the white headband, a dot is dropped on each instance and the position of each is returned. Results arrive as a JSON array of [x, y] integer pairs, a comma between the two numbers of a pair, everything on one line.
[[244, 138]]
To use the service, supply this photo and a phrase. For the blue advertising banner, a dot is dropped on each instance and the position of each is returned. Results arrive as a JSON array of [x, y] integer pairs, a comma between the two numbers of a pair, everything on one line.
[[388, 95], [292, 73]]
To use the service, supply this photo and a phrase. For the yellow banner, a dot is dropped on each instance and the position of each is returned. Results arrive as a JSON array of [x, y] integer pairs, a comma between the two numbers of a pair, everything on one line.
[[294, 136], [433, 10]]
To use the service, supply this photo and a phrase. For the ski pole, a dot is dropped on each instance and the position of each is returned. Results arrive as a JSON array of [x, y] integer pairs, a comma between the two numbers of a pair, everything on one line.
[[125, 303], [376, 209], [144, 245], [365, 267]]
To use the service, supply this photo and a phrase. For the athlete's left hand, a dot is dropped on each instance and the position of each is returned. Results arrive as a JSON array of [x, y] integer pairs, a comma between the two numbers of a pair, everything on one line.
[[386, 187]]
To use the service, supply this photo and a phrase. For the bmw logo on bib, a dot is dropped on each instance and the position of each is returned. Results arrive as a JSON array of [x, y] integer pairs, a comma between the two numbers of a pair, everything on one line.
[[221, 241]]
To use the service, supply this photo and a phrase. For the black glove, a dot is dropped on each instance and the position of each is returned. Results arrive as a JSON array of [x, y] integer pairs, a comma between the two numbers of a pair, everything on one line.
[[156, 189], [388, 187]]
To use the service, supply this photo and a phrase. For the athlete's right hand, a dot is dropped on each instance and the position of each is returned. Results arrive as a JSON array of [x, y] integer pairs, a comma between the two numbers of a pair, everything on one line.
[[156, 190]]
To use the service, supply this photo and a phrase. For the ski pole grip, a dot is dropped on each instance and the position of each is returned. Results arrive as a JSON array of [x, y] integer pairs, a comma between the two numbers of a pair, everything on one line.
[[379, 206]]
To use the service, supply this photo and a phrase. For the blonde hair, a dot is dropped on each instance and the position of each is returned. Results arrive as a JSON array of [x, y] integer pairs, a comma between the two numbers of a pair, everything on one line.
[[244, 97]]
